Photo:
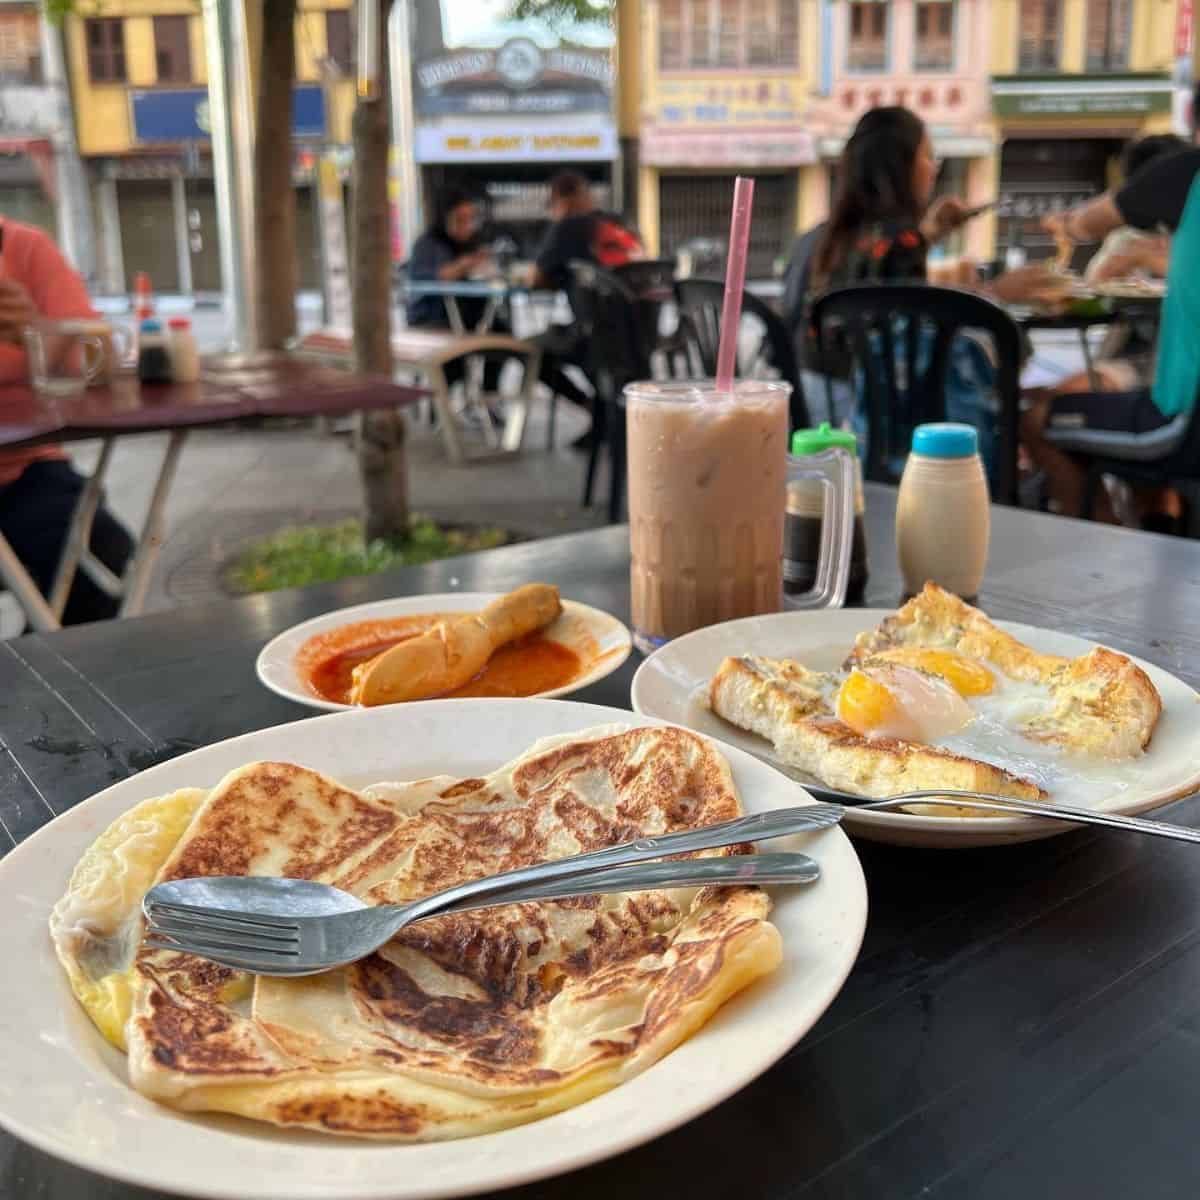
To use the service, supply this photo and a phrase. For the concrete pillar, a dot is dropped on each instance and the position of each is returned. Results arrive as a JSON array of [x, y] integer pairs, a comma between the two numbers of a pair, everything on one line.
[[813, 198], [232, 116], [983, 183], [404, 166], [183, 237], [112, 255], [648, 211]]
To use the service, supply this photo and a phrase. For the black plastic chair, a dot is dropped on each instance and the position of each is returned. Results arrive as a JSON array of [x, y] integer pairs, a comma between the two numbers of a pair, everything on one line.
[[700, 302], [899, 337], [1178, 467], [618, 353]]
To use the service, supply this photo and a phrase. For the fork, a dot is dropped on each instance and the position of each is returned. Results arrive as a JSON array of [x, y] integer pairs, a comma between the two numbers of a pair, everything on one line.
[[345, 930], [1029, 808]]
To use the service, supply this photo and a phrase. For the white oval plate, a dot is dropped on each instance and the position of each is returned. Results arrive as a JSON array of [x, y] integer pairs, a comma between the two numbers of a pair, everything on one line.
[[64, 1089], [669, 685], [276, 665]]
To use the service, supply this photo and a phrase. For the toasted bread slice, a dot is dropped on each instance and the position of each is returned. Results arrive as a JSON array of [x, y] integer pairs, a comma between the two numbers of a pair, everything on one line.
[[787, 704]]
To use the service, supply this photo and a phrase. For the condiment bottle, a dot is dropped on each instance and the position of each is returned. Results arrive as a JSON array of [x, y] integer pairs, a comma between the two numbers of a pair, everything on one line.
[[185, 358], [154, 362], [804, 514], [942, 512], [143, 297]]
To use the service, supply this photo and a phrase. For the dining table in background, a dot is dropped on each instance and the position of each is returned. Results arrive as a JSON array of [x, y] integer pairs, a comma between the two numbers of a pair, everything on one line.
[[276, 387], [1083, 320], [1022, 1021]]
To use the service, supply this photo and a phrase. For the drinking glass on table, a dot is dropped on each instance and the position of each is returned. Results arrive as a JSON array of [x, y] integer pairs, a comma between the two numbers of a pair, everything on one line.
[[69, 355], [708, 479]]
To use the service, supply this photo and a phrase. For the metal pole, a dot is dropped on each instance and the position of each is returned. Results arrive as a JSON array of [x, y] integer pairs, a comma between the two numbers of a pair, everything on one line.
[[231, 116], [399, 49], [76, 229]]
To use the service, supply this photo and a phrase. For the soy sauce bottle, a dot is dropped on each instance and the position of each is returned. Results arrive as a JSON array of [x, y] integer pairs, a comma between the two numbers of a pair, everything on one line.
[[804, 513], [154, 359]]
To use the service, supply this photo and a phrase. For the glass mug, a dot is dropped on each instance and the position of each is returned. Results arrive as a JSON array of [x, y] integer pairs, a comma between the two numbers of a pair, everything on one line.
[[708, 480], [69, 355]]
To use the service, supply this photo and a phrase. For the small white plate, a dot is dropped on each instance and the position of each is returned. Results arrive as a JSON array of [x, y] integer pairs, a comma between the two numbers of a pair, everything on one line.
[[65, 1090], [671, 682], [579, 623]]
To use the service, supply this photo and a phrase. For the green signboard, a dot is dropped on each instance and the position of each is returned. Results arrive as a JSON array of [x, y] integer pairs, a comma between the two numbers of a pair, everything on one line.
[[1080, 103]]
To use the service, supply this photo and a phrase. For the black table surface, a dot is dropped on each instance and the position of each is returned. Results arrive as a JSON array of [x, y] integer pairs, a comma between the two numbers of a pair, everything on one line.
[[1022, 1021]]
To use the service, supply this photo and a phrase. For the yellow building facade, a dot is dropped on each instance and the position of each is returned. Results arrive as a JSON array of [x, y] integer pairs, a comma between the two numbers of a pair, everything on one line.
[[1072, 82], [139, 79]]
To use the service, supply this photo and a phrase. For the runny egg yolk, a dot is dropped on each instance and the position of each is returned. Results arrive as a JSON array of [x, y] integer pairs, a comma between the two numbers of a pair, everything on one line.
[[967, 676], [891, 700]]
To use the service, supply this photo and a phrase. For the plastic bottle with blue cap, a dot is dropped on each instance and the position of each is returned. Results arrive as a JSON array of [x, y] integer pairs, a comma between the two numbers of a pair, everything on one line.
[[943, 512]]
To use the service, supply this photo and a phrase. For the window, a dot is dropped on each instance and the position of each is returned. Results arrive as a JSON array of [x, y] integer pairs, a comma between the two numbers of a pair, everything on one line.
[[172, 50], [20, 46], [105, 38], [867, 46], [1108, 27], [712, 34], [1039, 35], [934, 43], [339, 46]]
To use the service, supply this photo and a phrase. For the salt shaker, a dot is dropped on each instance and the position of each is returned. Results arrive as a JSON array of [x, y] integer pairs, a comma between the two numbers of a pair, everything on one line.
[[942, 511]]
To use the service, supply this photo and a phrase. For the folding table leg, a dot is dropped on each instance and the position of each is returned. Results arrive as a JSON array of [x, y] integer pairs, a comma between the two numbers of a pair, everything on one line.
[[519, 407], [146, 554], [441, 404], [20, 583], [80, 531]]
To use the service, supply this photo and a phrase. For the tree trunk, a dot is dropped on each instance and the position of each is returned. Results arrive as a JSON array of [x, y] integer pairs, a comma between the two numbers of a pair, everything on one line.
[[382, 459], [275, 198]]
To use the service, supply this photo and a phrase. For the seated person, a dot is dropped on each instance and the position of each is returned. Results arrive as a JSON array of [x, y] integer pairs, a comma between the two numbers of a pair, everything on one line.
[[579, 230], [1147, 422], [451, 251], [880, 230], [1126, 358], [39, 488]]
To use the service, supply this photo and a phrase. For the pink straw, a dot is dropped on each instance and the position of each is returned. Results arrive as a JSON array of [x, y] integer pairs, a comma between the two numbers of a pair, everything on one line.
[[735, 281]]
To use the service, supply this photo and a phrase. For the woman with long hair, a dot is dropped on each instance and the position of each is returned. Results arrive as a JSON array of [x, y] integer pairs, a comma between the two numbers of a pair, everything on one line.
[[880, 229]]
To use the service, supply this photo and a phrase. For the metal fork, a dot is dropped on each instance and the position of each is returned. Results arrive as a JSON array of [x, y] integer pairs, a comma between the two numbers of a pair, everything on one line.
[[347, 930], [1028, 808], [177, 911]]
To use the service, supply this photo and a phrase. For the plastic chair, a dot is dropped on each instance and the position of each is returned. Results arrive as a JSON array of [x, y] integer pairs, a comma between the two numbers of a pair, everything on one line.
[[619, 353], [899, 338], [700, 302], [1177, 465]]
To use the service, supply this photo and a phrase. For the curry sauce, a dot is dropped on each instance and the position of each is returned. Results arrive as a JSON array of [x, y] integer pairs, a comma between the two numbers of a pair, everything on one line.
[[530, 665]]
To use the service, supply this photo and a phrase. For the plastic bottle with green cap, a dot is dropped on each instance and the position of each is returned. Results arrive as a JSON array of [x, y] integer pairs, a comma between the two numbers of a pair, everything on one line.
[[803, 518], [942, 511]]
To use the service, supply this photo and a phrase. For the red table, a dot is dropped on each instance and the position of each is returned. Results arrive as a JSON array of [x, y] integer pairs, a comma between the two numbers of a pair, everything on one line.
[[281, 387]]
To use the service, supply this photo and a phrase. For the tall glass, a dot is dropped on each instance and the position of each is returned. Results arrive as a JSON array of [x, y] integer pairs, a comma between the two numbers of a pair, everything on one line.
[[707, 489]]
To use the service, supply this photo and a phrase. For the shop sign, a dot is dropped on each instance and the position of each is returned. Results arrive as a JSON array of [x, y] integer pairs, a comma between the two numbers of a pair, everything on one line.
[[1087, 104], [540, 144], [182, 115], [473, 59], [735, 101]]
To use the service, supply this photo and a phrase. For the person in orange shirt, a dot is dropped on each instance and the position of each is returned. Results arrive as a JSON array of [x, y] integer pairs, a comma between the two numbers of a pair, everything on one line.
[[39, 488]]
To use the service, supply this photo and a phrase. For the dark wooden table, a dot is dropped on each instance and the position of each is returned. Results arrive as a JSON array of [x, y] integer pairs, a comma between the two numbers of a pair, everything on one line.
[[1022, 1022], [276, 386]]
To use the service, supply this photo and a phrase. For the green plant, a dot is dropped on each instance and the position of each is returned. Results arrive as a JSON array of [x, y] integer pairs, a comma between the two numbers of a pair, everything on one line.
[[301, 555]]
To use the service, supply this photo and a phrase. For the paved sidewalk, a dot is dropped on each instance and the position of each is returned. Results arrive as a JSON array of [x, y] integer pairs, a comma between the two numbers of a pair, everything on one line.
[[238, 484]]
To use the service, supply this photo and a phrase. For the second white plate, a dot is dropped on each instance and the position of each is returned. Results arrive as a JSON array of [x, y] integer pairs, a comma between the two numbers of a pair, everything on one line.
[[276, 665], [670, 685]]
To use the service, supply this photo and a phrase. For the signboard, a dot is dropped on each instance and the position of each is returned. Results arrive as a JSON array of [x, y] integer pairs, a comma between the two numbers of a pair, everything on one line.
[[732, 101], [182, 116], [470, 58], [1129, 97], [506, 143]]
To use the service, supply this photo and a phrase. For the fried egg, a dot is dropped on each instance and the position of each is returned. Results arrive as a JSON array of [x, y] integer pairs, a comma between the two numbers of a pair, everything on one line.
[[890, 700]]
